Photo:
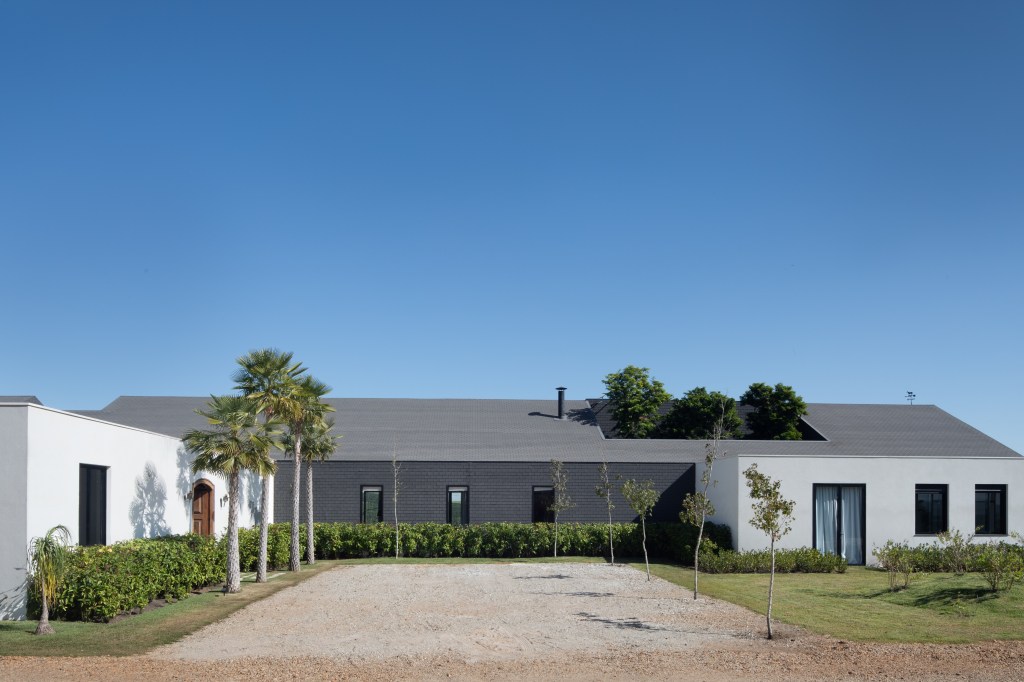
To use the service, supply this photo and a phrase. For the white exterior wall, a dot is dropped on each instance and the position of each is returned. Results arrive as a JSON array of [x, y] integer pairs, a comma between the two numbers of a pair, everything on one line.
[[723, 493], [148, 478], [888, 498]]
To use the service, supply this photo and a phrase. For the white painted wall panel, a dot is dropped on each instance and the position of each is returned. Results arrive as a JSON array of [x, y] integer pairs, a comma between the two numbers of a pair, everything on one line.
[[13, 522]]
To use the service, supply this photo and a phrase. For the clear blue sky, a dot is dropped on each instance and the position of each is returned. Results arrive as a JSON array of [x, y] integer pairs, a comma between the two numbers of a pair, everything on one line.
[[491, 199]]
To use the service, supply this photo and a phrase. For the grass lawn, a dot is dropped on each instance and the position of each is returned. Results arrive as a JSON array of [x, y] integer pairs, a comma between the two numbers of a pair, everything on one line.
[[138, 634], [857, 605]]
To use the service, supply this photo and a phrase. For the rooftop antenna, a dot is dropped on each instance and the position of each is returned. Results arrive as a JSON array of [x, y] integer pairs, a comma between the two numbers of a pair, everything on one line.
[[910, 397]]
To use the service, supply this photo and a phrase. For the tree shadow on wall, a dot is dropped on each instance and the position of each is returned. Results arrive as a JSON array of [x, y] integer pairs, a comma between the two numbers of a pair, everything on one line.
[[148, 511]]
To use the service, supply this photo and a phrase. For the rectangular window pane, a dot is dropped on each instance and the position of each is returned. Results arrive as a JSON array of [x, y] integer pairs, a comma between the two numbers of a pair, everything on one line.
[[990, 509], [543, 498], [371, 511], [458, 505], [930, 509], [92, 505]]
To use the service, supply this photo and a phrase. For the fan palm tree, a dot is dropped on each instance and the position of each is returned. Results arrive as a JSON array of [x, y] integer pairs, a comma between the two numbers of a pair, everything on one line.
[[318, 444], [238, 441], [303, 408], [47, 561], [264, 376]]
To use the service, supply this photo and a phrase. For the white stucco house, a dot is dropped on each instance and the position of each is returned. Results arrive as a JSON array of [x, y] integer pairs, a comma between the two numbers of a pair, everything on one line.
[[105, 482], [863, 474]]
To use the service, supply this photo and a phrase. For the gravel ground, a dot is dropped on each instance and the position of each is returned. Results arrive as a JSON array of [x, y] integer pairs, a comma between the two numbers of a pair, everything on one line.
[[528, 621]]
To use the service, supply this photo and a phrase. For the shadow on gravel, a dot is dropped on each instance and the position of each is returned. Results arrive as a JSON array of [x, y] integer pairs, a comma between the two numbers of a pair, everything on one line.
[[622, 623], [588, 594], [557, 576]]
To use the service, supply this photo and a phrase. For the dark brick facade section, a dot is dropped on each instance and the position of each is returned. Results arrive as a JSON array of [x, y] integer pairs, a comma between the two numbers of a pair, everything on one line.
[[498, 491]]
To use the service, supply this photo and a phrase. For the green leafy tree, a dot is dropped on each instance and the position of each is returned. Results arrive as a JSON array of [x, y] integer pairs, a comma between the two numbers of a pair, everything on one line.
[[238, 441], [47, 561], [318, 444], [697, 506], [777, 412], [698, 414], [635, 399], [560, 489], [604, 490], [773, 516], [641, 498], [265, 376]]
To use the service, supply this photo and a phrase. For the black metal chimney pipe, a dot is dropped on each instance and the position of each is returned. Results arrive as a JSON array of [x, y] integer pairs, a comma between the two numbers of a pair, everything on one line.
[[561, 402]]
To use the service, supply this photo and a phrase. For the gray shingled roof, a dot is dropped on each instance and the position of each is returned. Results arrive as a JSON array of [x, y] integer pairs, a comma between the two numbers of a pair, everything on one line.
[[30, 399], [526, 430]]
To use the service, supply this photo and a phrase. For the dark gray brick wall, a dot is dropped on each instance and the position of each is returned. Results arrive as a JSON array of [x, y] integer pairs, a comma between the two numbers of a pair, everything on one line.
[[498, 491]]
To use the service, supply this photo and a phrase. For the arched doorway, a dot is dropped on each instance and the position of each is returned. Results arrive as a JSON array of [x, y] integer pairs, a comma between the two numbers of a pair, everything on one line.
[[202, 508]]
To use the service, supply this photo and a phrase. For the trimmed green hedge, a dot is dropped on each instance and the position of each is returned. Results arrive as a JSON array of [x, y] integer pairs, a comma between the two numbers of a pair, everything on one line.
[[497, 540], [104, 581], [803, 560]]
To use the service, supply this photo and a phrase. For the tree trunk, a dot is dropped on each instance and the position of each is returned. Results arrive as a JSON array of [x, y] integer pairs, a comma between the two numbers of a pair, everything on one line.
[[310, 554], [696, 556], [556, 536], [44, 627], [261, 562], [234, 581], [293, 556], [771, 586], [611, 543], [643, 528]]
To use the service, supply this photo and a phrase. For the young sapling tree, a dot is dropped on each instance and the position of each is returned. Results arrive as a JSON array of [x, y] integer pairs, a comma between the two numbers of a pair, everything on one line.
[[697, 506], [560, 489], [604, 491], [396, 470], [641, 498], [773, 516]]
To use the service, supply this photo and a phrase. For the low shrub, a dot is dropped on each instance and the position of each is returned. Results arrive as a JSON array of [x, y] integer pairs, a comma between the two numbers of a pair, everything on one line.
[[897, 558], [951, 553], [104, 581], [672, 541], [1001, 564], [802, 560]]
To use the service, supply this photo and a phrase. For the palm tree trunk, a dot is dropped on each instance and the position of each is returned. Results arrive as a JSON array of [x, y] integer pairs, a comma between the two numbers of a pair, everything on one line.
[[643, 527], [293, 558], [771, 586], [234, 581], [310, 554], [44, 627], [261, 562]]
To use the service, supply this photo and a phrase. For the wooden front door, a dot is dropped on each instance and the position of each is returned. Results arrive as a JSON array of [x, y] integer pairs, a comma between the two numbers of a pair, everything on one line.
[[202, 509]]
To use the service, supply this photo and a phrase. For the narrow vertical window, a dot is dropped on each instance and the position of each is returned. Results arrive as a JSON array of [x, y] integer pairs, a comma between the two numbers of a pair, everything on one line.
[[990, 509], [371, 510], [92, 505], [458, 504], [543, 498], [930, 509]]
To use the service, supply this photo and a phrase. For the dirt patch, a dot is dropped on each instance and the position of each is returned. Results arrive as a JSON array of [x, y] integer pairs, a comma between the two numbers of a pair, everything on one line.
[[528, 621]]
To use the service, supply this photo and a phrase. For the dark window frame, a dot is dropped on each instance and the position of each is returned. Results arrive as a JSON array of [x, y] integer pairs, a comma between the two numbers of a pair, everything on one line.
[[988, 488], [547, 516], [839, 515], [464, 489], [363, 489], [931, 489], [92, 515]]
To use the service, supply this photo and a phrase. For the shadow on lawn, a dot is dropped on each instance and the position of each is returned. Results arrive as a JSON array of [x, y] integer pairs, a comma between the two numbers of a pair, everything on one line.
[[954, 595]]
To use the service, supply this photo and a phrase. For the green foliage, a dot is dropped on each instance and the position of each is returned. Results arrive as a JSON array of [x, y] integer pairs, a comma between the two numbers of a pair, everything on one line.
[[803, 560], [897, 558], [773, 514], [641, 496], [673, 541], [101, 582], [956, 551], [777, 412], [696, 415], [48, 561], [1001, 564], [635, 399]]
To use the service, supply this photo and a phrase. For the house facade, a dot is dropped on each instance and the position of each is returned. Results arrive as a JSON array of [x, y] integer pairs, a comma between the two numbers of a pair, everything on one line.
[[863, 475]]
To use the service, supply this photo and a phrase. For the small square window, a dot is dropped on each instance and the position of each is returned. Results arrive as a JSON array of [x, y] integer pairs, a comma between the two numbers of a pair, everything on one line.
[[990, 509], [458, 504], [931, 509], [370, 508]]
